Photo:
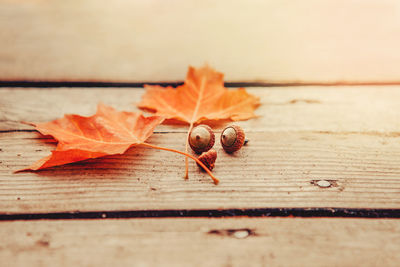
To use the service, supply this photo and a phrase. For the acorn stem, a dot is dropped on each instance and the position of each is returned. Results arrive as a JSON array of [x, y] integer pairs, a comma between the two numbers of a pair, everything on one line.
[[215, 179]]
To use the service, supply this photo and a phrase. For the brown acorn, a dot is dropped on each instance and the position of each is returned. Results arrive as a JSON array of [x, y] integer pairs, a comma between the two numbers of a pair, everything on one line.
[[232, 138], [208, 158], [201, 138]]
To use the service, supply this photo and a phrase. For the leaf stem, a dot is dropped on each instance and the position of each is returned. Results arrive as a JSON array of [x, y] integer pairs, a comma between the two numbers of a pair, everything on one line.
[[186, 151], [216, 181]]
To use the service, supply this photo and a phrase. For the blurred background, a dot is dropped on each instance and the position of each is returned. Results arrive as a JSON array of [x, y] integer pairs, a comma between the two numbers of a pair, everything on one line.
[[293, 41]]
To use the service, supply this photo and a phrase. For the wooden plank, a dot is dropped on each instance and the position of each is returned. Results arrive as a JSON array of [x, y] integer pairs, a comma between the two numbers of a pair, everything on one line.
[[337, 109], [279, 169], [348, 136], [201, 242], [273, 41]]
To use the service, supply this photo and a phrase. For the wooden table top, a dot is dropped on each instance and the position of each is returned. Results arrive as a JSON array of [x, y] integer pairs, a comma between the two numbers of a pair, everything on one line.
[[316, 156]]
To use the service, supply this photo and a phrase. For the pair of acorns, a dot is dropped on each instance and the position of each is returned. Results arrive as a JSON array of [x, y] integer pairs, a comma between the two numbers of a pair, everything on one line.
[[202, 139]]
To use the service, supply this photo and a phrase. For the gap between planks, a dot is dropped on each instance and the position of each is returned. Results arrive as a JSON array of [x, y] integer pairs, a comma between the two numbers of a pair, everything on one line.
[[220, 213], [110, 84]]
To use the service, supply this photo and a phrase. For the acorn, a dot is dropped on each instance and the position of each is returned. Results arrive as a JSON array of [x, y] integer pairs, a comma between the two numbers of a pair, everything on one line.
[[201, 138], [208, 158], [232, 138]]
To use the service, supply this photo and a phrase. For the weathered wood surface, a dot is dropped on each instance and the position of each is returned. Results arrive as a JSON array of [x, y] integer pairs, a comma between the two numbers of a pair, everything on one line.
[[274, 170], [373, 109], [348, 136], [201, 242], [273, 41]]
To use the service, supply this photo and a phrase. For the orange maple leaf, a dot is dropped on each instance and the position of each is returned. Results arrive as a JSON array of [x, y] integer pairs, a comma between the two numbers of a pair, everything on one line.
[[202, 97], [108, 132]]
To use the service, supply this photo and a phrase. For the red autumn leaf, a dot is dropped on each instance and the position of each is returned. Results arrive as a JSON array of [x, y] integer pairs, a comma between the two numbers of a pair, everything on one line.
[[202, 97], [108, 132]]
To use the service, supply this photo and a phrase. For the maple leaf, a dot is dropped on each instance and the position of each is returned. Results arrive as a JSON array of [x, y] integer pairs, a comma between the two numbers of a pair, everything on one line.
[[108, 132], [202, 97]]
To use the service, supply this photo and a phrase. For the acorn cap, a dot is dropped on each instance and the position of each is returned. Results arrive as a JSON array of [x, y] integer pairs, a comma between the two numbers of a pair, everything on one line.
[[208, 158], [201, 138], [232, 138]]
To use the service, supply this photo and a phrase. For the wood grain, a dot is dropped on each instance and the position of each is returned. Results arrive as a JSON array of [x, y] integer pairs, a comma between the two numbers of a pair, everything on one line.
[[277, 169], [348, 136], [363, 109], [273, 41], [201, 242]]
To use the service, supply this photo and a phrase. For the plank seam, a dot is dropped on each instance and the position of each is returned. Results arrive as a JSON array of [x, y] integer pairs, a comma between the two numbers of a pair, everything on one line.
[[104, 84], [212, 213]]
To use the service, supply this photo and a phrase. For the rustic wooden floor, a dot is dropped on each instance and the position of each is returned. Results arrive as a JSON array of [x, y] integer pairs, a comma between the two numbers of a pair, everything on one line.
[[317, 185]]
